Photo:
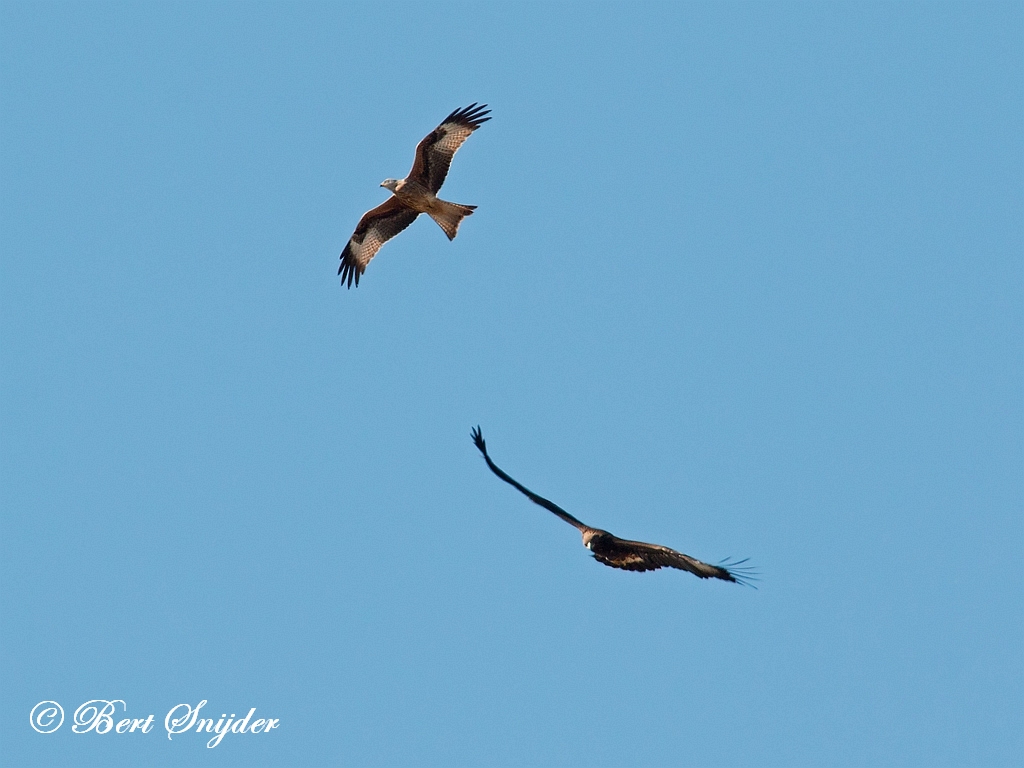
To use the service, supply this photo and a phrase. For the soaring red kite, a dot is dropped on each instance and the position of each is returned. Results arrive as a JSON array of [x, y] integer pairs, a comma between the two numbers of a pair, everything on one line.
[[622, 553], [415, 194]]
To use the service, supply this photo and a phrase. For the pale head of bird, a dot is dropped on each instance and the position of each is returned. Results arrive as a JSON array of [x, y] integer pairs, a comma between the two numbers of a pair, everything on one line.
[[391, 184]]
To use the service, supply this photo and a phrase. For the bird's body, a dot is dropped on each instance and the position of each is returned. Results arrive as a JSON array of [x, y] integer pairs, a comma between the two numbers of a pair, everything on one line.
[[415, 194], [624, 553], [418, 197]]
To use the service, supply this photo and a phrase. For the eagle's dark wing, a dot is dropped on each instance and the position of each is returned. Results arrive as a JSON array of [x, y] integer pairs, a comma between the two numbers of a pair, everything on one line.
[[375, 228], [623, 553], [434, 154], [478, 439], [641, 556]]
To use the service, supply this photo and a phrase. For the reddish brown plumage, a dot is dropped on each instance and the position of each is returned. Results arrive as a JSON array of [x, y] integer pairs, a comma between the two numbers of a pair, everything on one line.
[[415, 194]]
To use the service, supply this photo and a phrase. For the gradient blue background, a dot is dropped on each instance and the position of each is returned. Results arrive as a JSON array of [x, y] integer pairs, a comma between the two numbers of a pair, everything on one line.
[[744, 280]]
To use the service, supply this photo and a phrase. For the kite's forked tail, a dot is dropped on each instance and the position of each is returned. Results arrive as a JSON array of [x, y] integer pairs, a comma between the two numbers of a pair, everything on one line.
[[449, 215]]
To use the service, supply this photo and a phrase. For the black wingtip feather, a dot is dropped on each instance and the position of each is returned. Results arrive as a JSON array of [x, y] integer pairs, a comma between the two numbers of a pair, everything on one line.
[[478, 439], [740, 574], [348, 270], [471, 116]]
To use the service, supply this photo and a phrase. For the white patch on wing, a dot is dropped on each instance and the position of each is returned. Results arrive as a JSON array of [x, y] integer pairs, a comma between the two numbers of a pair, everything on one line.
[[367, 249], [454, 135]]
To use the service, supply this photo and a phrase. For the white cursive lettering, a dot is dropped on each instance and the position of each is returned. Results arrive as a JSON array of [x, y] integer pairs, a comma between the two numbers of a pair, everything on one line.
[[181, 724], [90, 717], [44, 715]]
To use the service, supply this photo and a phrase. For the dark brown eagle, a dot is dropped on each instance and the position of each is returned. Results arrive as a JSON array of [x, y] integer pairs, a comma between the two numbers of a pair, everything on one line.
[[622, 553], [415, 194]]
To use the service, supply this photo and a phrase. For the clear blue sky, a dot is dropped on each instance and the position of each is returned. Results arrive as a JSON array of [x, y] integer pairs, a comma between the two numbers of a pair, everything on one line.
[[745, 280]]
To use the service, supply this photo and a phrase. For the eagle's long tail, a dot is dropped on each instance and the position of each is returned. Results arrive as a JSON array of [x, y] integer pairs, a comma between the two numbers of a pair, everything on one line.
[[449, 215]]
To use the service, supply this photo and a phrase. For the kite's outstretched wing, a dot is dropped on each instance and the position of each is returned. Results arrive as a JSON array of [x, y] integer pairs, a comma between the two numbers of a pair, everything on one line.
[[434, 154], [375, 228]]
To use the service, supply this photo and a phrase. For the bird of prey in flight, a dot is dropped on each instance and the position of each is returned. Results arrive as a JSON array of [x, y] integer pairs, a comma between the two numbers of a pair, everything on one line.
[[415, 194], [622, 553]]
